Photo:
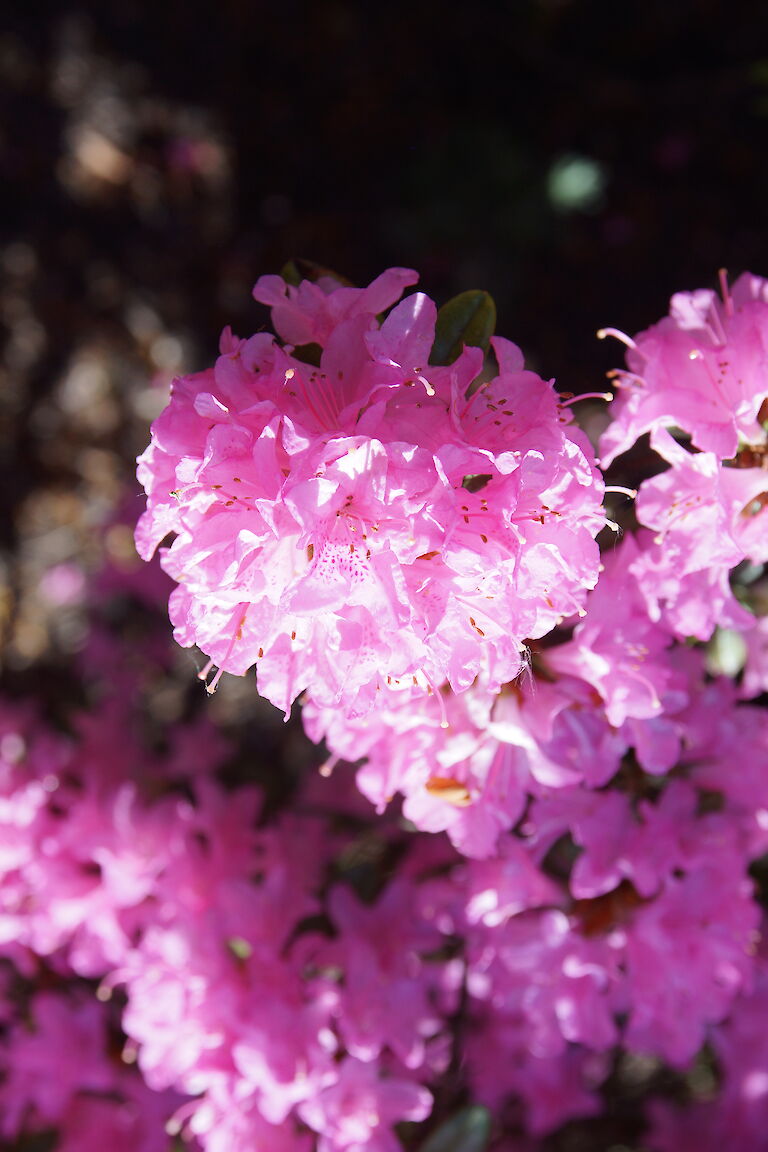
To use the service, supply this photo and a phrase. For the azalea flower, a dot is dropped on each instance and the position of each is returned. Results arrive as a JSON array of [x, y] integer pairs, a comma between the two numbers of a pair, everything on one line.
[[373, 522]]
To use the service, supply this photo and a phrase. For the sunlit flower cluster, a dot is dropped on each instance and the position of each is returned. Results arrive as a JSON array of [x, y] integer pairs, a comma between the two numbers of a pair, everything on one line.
[[353, 519], [534, 851]]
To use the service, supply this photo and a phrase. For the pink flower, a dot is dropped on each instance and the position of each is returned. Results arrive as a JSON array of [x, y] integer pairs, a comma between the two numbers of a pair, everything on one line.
[[737, 1116], [707, 519], [131, 1119], [227, 1119], [60, 1073], [703, 369], [464, 763], [359, 1111], [688, 953], [554, 1089], [538, 968], [645, 843], [60, 1056], [309, 313], [368, 523], [714, 726], [511, 883], [616, 648], [755, 678], [384, 1000]]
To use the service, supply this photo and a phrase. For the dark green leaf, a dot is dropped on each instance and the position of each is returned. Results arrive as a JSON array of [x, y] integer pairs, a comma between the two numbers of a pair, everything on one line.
[[476, 483], [309, 354], [469, 318], [37, 1142], [468, 1131]]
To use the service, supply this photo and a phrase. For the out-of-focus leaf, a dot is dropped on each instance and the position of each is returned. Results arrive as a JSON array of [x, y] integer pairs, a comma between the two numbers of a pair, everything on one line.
[[309, 354], [477, 482], [469, 318], [298, 269], [468, 1131], [726, 653], [37, 1142], [239, 947]]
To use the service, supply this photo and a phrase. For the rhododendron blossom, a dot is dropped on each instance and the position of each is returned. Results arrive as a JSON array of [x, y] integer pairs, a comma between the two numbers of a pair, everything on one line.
[[372, 522], [707, 519], [527, 884], [703, 368]]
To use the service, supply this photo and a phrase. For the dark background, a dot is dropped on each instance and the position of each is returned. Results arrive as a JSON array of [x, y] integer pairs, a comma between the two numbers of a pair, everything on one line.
[[580, 159]]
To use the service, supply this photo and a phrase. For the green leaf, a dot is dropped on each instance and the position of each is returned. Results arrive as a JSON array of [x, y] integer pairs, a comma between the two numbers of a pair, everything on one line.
[[309, 354], [726, 653], [469, 318], [468, 1131], [298, 269], [476, 482], [239, 947]]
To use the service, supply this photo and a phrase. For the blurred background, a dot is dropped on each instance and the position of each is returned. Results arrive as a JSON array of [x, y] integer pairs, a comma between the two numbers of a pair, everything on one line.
[[579, 159]]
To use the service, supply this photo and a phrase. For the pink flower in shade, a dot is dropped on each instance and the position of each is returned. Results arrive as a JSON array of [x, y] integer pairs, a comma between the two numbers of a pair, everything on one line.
[[227, 1119], [706, 520], [49, 1064], [689, 952], [367, 524], [284, 1048], [616, 648], [82, 852], [384, 1000], [714, 726], [703, 369], [703, 1126], [755, 678], [538, 968], [554, 1089], [736, 1117], [507, 885], [359, 1111], [86, 882], [33, 763], [466, 764], [740, 1113], [191, 997], [131, 1118], [641, 842], [59, 1072]]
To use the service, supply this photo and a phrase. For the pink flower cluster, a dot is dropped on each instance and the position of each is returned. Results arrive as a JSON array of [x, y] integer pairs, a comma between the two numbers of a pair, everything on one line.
[[702, 371], [265, 1000], [195, 916], [187, 954], [371, 522], [736, 1116], [59, 1075]]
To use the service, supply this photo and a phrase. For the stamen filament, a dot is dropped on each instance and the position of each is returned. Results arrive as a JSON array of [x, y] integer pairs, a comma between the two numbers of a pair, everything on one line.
[[236, 635], [586, 396], [620, 375], [603, 333], [631, 492], [725, 292]]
